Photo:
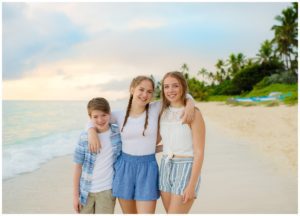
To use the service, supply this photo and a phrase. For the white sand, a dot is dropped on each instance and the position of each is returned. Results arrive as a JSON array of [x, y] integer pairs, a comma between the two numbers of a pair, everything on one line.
[[270, 130], [250, 167]]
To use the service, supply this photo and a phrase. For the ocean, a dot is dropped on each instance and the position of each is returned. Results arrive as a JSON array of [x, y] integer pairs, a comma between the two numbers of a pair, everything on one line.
[[34, 132]]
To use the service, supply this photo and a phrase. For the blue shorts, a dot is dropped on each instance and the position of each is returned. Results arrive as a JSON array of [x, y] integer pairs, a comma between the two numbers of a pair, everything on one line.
[[175, 175], [136, 177]]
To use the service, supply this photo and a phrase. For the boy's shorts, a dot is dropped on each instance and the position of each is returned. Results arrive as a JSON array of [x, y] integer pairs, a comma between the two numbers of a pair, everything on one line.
[[175, 174], [136, 177], [99, 203]]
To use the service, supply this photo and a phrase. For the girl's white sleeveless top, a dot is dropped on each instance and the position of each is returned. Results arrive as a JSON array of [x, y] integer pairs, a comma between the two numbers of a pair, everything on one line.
[[176, 137], [133, 141]]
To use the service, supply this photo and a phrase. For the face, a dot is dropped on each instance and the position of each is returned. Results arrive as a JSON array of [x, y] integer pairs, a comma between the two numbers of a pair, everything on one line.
[[142, 93], [100, 120], [172, 90]]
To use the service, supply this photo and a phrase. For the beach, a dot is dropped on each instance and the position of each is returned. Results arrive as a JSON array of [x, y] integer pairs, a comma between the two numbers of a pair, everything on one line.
[[250, 166], [272, 131]]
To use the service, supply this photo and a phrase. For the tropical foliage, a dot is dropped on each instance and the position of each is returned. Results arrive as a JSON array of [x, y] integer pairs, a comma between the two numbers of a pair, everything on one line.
[[275, 63]]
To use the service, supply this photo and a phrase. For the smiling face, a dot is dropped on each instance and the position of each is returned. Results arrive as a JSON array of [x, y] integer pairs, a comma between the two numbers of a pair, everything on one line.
[[142, 93], [173, 90], [100, 120]]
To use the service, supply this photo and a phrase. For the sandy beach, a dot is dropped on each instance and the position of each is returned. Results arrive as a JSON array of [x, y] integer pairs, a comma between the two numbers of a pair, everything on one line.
[[272, 131], [250, 167]]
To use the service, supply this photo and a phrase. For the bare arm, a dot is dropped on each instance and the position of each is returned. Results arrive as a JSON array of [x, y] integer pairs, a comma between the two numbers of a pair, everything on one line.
[[198, 133], [159, 145], [94, 141], [76, 180], [189, 110]]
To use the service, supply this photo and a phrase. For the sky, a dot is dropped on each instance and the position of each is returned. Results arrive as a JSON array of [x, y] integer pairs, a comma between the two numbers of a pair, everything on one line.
[[77, 51]]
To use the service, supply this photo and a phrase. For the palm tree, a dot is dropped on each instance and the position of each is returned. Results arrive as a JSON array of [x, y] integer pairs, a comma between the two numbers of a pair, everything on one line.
[[286, 34], [203, 72], [266, 52], [220, 66], [218, 77], [185, 71], [211, 77], [240, 59], [231, 63], [249, 61], [235, 63]]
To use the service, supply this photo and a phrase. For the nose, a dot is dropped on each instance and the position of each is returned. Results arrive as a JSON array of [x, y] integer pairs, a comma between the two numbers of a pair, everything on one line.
[[171, 89], [145, 95]]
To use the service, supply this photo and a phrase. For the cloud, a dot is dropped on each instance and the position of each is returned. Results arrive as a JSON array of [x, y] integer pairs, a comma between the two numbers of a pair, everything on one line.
[[99, 47], [145, 24], [30, 40], [113, 85]]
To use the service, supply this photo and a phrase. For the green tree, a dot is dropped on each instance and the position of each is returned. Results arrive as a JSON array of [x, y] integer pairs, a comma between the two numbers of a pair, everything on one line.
[[185, 71], [247, 77], [220, 65], [241, 58], [157, 89], [204, 73], [197, 89], [266, 53], [235, 63], [286, 35]]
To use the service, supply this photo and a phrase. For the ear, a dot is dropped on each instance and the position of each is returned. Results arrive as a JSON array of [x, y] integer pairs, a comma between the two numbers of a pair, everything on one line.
[[131, 90]]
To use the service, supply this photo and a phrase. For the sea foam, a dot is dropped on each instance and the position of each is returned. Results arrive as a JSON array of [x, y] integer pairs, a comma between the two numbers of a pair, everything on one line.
[[29, 156]]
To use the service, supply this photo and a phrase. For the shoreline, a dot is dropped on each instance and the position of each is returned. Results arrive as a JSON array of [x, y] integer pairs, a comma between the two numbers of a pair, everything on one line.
[[257, 180]]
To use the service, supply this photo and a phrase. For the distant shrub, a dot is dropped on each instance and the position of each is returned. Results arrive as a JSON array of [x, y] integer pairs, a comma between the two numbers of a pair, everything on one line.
[[249, 76], [197, 89], [263, 83], [225, 88], [287, 77]]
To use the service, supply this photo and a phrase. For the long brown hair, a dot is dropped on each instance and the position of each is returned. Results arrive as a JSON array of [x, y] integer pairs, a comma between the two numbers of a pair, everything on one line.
[[179, 76], [134, 83]]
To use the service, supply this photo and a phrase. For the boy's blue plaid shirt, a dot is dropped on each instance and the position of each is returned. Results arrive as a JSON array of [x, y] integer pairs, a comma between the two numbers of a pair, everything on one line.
[[87, 159]]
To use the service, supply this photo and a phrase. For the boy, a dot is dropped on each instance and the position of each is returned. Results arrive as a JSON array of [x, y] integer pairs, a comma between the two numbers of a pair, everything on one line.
[[93, 172]]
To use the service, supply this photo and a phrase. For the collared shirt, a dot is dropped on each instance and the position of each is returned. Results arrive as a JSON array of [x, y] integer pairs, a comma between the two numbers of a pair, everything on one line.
[[87, 159]]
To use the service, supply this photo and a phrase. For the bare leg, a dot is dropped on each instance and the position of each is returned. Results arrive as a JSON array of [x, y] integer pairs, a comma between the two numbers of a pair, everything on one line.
[[166, 199], [177, 206], [146, 207], [128, 206]]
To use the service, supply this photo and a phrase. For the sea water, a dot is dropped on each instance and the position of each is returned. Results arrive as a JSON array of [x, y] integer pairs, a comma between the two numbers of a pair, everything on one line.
[[35, 132]]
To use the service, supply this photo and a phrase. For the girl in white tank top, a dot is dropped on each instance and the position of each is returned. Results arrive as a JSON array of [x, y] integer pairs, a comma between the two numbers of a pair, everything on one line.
[[183, 147]]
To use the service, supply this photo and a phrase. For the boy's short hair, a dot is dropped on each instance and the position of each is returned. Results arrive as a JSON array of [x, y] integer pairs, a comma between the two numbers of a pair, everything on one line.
[[98, 103]]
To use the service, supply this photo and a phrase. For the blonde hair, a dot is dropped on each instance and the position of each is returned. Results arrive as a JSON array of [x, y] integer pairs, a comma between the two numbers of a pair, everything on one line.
[[179, 76], [98, 103], [134, 83]]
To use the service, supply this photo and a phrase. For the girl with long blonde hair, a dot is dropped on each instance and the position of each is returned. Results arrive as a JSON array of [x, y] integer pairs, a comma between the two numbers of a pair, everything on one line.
[[183, 147]]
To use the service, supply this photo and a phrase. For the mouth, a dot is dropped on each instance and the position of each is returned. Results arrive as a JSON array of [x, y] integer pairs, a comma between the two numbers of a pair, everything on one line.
[[143, 100], [102, 124], [171, 96]]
